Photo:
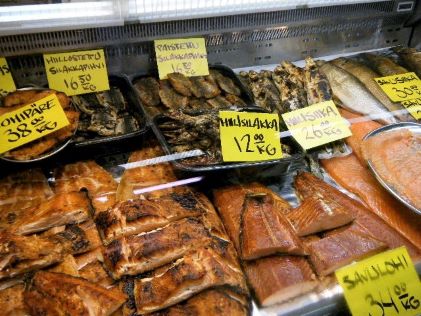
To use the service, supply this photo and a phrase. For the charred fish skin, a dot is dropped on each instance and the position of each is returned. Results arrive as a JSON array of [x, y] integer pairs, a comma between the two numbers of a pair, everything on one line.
[[384, 65], [292, 94], [411, 57], [352, 93], [366, 76], [148, 91], [225, 83]]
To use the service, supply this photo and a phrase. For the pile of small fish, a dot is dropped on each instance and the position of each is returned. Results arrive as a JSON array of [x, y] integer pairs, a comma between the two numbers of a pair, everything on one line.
[[104, 114], [289, 88], [214, 91]]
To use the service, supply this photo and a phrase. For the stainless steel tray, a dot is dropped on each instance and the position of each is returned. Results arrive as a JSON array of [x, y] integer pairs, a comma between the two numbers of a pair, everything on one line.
[[414, 128]]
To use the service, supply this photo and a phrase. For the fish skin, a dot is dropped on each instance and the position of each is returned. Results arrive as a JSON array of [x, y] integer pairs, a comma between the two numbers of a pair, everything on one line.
[[356, 178], [384, 65], [411, 57], [366, 76], [352, 93]]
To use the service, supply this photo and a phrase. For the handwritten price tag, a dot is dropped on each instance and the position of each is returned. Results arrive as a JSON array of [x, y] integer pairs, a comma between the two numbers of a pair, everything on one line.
[[401, 87], [30, 122], [7, 84], [414, 107], [316, 125], [185, 55], [77, 72], [385, 284], [247, 136]]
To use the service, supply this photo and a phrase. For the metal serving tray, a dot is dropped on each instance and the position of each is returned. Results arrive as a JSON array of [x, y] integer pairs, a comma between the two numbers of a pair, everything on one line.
[[414, 128]]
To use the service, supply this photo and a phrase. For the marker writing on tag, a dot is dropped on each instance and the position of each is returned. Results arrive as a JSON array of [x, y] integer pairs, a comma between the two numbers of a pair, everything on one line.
[[77, 72], [385, 284], [7, 84]]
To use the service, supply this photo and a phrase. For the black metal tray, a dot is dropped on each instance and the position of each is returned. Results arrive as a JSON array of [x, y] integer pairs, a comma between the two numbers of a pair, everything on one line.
[[134, 108], [178, 164]]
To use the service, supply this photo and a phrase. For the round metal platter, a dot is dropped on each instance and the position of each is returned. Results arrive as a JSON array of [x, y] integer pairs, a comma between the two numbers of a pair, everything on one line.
[[414, 128]]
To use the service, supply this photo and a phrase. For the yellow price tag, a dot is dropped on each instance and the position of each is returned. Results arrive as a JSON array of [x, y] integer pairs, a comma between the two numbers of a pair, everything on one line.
[[30, 122], [7, 84], [247, 136], [77, 72], [385, 284], [316, 124], [401, 87], [184, 55], [414, 107]]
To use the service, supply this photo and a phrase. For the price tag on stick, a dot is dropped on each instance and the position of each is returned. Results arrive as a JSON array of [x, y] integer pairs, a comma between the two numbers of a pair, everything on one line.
[[247, 136], [316, 124], [385, 284], [77, 72], [7, 84], [31, 122], [184, 55]]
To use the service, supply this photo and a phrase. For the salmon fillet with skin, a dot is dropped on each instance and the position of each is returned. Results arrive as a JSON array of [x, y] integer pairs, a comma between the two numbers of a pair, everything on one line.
[[341, 247], [277, 279], [396, 157], [350, 174], [359, 130], [307, 185]]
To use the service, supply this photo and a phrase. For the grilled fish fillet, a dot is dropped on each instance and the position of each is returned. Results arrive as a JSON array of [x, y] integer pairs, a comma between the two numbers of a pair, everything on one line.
[[366, 76], [256, 224], [60, 209], [411, 57], [210, 302], [180, 83], [137, 216], [170, 98], [68, 295], [189, 275], [136, 254], [314, 215], [353, 94], [341, 247], [203, 88], [276, 279], [225, 83], [388, 153], [146, 176], [12, 302], [384, 65], [307, 185], [316, 84], [264, 231]]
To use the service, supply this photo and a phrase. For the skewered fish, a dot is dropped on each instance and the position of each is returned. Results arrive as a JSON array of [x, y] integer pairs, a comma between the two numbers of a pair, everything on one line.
[[366, 76], [411, 57]]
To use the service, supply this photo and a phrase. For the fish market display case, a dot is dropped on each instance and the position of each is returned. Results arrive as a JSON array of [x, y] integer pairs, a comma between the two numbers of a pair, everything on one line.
[[102, 173]]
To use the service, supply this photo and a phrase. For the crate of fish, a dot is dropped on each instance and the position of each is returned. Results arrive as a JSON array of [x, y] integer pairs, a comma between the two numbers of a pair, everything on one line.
[[109, 116]]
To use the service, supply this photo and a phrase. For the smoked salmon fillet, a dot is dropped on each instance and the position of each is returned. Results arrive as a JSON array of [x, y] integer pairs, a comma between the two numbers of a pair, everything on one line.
[[396, 157], [276, 279], [359, 130], [353, 176], [306, 185]]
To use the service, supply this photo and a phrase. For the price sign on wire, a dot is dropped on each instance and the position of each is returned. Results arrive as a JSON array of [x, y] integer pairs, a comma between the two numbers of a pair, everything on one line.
[[30, 122], [316, 124], [77, 72], [184, 55], [247, 136], [385, 284], [404, 88], [7, 84]]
